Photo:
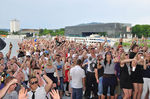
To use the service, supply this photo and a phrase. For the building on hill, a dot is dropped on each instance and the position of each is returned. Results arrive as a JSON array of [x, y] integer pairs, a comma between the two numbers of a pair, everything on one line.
[[109, 29]]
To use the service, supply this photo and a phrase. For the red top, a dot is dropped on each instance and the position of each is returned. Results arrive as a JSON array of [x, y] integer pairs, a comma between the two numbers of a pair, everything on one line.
[[66, 74]]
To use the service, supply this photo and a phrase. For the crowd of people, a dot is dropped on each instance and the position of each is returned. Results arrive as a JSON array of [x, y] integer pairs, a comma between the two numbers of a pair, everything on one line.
[[50, 69]]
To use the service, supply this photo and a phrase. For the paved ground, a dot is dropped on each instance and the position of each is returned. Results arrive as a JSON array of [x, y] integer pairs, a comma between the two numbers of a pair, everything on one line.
[[66, 97]]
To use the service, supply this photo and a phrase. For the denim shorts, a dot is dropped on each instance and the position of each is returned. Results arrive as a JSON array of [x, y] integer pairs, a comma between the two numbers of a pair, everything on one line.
[[100, 87]]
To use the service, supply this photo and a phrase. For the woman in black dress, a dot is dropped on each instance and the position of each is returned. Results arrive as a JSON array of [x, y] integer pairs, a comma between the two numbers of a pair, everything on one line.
[[137, 75], [50, 72], [125, 79]]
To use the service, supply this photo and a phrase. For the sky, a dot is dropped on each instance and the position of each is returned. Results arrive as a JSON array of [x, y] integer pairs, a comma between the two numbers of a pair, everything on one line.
[[54, 14]]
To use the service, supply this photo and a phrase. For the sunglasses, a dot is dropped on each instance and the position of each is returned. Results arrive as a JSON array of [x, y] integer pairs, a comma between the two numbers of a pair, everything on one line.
[[28, 56], [34, 82], [126, 54]]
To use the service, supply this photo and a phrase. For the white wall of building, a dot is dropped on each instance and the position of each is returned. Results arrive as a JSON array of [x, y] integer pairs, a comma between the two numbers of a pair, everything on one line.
[[14, 25]]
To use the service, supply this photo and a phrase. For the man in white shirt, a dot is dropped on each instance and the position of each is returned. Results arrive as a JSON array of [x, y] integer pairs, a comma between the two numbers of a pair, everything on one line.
[[77, 75], [39, 92]]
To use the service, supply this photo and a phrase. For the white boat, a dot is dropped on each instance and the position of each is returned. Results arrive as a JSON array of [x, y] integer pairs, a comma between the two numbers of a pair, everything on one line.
[[16, 36], [92, 39]]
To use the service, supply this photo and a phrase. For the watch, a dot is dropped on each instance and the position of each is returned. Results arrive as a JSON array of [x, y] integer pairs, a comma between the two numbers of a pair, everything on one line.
[[42, 75]]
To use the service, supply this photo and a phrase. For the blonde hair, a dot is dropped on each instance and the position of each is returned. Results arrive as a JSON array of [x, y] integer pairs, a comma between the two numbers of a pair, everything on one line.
[[122, 57], [136, 56]]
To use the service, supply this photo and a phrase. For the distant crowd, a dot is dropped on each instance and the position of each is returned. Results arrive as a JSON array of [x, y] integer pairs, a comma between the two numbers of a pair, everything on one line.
[[52, 69]]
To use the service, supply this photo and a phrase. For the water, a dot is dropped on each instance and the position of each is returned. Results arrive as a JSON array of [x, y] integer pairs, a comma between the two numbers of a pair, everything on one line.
[[14, 48]]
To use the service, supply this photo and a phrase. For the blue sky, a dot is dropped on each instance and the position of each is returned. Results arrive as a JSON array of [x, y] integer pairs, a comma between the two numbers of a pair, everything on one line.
[[54, 14]]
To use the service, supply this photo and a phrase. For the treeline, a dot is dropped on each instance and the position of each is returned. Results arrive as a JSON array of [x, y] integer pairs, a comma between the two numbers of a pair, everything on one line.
[[3, 32], [140, 30], [51, 32]]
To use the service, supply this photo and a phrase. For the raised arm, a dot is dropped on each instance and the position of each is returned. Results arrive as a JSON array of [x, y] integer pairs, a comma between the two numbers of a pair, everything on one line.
[[125, 61], [104, 42], [145, 66], [102, 45], [4, 90], [49, 83], [9, 52], [84, 54]]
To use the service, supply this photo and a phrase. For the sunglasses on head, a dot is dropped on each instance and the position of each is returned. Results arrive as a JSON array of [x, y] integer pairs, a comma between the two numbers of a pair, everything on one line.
[[34, 82]]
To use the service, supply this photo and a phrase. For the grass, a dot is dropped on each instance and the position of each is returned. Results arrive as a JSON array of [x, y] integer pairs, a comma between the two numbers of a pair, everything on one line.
[[125, 44]]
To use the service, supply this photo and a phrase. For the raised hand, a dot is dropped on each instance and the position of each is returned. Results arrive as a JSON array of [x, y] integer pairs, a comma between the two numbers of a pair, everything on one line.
[[23, 93], [105, 39], [55, 94], [10, 45]]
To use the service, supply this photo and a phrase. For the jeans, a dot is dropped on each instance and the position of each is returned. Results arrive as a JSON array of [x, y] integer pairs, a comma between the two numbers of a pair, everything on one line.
[[109, 82], [61, 86], [77, 93], [100, 87]]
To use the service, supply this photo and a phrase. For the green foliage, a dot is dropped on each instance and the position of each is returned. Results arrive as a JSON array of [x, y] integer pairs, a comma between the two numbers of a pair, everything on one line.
[[51, 32], [3, 32], [140, 30], [102, 33], [15, 33], [40, 32], [126, 44]]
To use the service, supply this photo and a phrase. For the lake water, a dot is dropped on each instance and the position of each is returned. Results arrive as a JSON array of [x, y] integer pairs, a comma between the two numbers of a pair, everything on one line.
[[14, 48]]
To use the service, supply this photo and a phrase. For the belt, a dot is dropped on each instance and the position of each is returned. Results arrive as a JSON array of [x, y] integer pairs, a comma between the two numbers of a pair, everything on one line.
[[108, 75]]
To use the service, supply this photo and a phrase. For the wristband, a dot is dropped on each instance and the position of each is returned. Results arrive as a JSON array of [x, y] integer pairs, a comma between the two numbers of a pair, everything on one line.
[[42, 75]]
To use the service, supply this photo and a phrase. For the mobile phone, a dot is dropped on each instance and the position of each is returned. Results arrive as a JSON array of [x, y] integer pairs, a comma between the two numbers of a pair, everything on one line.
[[142, 57]]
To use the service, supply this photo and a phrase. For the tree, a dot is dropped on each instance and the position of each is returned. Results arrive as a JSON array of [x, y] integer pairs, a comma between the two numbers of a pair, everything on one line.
[[15, 33], [3, 32], [140, 30], [40, 32], [102, 33], [51, 32]]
